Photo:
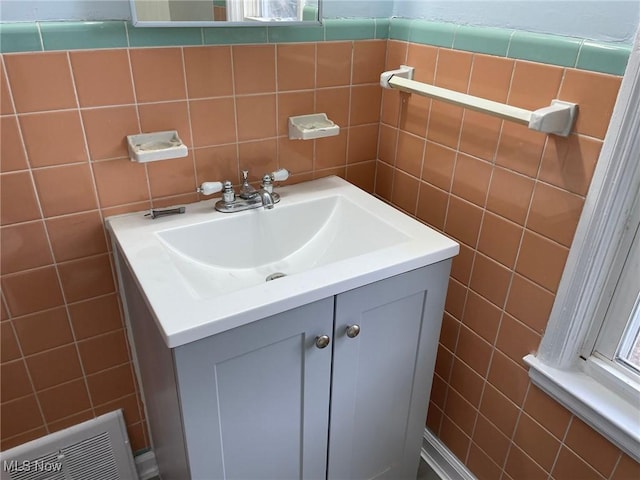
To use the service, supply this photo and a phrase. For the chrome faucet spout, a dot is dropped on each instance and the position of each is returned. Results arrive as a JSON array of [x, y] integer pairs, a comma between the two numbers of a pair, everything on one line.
[[267, 199]]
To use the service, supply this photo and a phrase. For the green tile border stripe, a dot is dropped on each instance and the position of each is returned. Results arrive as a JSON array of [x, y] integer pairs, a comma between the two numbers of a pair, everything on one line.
[[543, 48], [536, 47], [67, 35], [46, 36], [20, 37]]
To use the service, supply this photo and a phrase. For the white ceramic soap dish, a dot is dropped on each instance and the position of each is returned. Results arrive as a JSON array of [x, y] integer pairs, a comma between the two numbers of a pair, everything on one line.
[[307, 127], [150, 147]]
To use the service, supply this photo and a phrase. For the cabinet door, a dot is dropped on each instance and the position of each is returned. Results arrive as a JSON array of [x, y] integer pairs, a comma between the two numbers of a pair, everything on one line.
[[382, 377], [255, 399]]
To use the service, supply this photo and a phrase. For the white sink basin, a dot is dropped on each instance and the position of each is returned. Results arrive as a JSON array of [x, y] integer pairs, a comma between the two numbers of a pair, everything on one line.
[[204, 272], [245, 249]]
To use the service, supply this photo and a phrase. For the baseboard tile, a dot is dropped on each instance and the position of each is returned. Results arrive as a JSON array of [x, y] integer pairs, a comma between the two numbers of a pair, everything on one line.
[[146, 465], [441, 460]]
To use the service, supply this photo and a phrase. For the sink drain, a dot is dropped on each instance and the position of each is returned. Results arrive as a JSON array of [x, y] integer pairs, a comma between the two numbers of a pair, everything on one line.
[[274, 276]]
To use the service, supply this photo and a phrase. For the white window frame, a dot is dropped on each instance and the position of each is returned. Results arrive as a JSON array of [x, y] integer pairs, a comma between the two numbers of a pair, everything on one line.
[[589, 387]]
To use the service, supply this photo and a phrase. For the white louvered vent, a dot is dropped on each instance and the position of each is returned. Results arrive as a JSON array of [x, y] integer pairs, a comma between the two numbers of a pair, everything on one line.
[[94, 450]]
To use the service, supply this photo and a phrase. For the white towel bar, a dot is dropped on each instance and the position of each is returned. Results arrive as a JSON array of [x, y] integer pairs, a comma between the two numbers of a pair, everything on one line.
[[557, 118]]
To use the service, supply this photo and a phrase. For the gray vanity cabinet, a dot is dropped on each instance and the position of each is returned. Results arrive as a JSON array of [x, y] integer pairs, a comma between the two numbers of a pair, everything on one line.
[[264, 401]]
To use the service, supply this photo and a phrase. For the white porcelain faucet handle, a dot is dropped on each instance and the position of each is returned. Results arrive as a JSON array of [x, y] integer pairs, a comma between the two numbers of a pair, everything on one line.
[[207, 188], [280, 175]]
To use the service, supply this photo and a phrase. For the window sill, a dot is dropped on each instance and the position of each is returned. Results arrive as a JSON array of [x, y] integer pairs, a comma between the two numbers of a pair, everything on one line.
[[608, 413]]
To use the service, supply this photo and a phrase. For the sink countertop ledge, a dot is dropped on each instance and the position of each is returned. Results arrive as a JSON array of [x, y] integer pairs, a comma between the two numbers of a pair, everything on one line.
[[173, 283]]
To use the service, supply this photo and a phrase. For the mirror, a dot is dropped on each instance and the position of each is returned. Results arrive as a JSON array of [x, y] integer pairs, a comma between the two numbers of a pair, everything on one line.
[[208, 13]]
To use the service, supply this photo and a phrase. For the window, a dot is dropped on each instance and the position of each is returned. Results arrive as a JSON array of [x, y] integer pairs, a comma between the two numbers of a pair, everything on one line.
[[589, 358], [265, 10], [628, 353], [281, 9], [613, 349]]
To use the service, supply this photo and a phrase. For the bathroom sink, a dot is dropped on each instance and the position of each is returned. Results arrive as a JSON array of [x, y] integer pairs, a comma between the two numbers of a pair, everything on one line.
[[204, 272], [255, 246]]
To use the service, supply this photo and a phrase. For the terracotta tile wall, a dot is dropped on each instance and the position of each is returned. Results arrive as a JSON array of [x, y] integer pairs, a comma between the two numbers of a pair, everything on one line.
[[64, 168], [512, 198]]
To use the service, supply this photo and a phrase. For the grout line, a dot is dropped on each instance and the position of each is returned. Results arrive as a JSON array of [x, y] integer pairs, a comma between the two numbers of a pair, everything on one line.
[[59, 110], [5, 304], [515, 429], [557, 95], [26, 432], [314, 144], [70, 381], [455, 35], [40, 38], [235, 112], [402, 100], [615, 466], [118, 365], [126, 34], [575, 65], [562, 443], [87, 151], [135, 99], [276, 49], [375, 170], [506, 55], [63, 165], [188, 102], [500, 466], [57, 347], [455, 158], [9, 91], [30, 378], [426, 134], [348, 126]]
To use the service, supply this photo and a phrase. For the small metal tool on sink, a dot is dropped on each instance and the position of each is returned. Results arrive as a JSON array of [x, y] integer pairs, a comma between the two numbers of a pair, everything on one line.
[[162, 212]]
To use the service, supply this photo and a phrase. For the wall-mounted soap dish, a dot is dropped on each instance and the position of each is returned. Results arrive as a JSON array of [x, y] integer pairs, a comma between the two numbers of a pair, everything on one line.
[[150, 147], [307, 127]]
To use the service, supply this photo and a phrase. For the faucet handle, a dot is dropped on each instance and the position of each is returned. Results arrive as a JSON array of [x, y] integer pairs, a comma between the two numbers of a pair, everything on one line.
[[280, 175], [267, 183], [207, 188], [228, 194]]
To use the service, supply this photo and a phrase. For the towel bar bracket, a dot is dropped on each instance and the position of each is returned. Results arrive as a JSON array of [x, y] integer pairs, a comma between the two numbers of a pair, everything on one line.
[[557, 118], [403, 72]]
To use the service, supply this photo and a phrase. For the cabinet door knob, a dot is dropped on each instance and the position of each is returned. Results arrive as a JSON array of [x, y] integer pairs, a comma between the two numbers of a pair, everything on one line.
[[353, 331], [322, 341]]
